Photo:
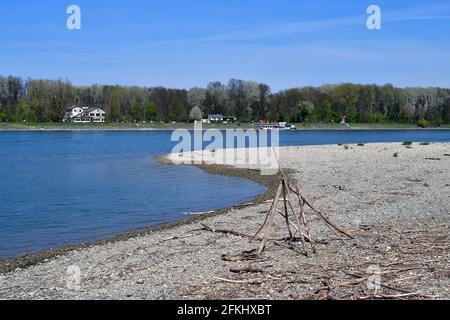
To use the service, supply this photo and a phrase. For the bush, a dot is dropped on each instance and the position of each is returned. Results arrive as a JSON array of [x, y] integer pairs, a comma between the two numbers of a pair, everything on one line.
[[423, 123], [407, 143], [3, 116], [438, 121]]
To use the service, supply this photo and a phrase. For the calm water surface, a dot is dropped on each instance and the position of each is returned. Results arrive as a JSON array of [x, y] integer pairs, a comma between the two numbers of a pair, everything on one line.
[[60, 188]]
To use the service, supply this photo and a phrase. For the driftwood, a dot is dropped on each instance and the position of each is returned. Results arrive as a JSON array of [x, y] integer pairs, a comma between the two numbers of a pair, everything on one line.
[[236, 233], [395, 296], [305, 236], [249, 281], [178, 237], [244, 256], [297, 230], [322, 215], [301, 223], [207, 227], [246, 270], [286, 193], [267, 227]]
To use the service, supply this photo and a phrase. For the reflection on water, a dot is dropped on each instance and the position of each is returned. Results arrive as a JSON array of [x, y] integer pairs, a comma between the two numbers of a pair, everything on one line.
[[64, 188]]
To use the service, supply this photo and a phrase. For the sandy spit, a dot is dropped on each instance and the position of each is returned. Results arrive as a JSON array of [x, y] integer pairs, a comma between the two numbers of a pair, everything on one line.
[[396, 200]]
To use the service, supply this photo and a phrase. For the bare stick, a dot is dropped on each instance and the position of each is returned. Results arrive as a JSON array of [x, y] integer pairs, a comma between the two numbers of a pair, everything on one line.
[[286, 209], [290, 222], [322, 215], [261, 228], [298, 222], [236, 233], [268, 226], [178, 237], [305, 223], [383, 296], [246, 270], [249, 281], [295, 227]]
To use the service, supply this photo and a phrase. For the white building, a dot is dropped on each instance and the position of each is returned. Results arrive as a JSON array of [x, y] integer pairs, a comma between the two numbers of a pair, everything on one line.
[[85, 115], [218, 118]]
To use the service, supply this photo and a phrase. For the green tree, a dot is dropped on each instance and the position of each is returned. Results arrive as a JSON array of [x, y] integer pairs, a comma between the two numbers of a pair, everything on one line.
[[177, 109], [24, 112], [15, 91], [150, 111], [305, 111], [3, 115], [136, 111], [324, 110], [423, 123], [38, 99], [346, 96], [112, 102], [404, 116], [196, 114], [61, 97]]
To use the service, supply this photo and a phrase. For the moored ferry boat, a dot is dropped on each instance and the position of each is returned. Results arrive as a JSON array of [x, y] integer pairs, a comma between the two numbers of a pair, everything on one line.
[[275, 126]]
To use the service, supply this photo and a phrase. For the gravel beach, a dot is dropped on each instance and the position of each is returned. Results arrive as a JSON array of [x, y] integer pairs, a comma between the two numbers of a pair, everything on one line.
[[394, 198]]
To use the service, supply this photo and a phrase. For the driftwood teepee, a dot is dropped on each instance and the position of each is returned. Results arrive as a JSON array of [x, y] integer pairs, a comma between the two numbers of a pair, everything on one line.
[[284, 193], [296, 222]]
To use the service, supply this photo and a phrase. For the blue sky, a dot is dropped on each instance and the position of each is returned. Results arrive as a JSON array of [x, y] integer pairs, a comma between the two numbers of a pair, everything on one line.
[[175, 43]]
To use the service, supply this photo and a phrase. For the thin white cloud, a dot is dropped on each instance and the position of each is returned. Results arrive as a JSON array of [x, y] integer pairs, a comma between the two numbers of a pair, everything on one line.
[[422, 18], [437, 11], [284, 29]]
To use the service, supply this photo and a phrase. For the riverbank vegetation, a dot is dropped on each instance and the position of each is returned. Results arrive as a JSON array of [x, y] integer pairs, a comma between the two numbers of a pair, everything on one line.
[[38, 101]]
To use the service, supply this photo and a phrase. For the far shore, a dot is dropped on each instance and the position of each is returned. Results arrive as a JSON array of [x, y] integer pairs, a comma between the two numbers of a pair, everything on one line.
[[39, 127]]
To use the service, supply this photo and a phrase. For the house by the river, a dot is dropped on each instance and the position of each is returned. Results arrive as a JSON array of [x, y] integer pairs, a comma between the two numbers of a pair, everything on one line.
[[85, 114], [218, 118]]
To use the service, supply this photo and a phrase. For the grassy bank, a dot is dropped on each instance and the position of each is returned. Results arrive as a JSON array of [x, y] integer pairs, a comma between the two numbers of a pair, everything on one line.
[[29, 126], [111, 126]]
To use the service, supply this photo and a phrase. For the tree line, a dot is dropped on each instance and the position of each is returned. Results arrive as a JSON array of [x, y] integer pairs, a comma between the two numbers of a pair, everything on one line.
[[47, 100]]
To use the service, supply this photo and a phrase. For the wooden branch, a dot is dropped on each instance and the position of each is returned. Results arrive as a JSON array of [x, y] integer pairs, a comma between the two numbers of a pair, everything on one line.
[[290, 222], [286, 209], [395, 296], [286, 189], [262, 227], [268, 226], [177, 237], [236, 233], [249, 281], [305, 223], [322, 215], [246, 270]]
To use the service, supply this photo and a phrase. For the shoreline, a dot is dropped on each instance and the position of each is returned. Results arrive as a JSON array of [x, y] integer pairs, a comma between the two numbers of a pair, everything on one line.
[[168, 127], [392, 198], [28, 260], [271, 182]]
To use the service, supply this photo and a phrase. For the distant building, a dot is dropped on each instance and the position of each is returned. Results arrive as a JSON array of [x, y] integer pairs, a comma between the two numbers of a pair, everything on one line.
[[85, 114], [218, 118]]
